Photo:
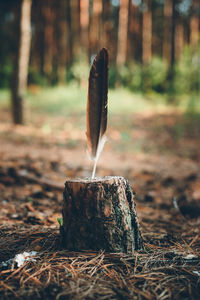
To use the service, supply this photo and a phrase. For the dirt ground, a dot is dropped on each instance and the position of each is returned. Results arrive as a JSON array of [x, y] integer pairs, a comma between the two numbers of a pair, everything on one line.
[[159, 155]]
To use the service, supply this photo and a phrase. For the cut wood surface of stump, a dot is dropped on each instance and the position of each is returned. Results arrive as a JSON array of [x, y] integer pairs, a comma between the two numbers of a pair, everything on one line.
[[100, 214]]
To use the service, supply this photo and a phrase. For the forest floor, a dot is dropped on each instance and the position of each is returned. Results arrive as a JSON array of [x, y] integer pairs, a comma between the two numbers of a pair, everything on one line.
[[158, 152]]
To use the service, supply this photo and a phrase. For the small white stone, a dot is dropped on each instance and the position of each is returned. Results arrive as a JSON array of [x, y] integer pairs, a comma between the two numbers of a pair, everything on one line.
[[25, 256], [196, 272], [190, 256]]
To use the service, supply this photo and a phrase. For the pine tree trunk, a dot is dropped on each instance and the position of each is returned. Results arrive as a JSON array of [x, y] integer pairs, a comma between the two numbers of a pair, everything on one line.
[[70, 34], [84, 23], [167, 30], [75, 25], [100, 214], [171, 71], [122, 33], [62, 42], [108, 35], [174, 15], [95, 33], [134, 33], [146, 32], [106, 22], [49, 15], [21, 72], [194, 23], [179, 39]]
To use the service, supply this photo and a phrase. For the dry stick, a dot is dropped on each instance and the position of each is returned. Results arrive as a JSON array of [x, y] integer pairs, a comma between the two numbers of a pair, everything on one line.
[[43, 181]]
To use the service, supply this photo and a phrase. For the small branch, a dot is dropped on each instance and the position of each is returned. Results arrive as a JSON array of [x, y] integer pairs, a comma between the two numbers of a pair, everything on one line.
[[43, 181]]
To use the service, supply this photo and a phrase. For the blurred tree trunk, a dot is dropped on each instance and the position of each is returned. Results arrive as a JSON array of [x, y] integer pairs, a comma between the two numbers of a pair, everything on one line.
[[70, 34], [95, 32], [194, 23], [171, 72], [122, 33], [62, 42], [108, 36], [21, 72], [174, 14], [37, 49], [146, 32], [75, 6], [134, 41], [49, 16], [106, 22], [167, 30], [179, 38], [84, 22]]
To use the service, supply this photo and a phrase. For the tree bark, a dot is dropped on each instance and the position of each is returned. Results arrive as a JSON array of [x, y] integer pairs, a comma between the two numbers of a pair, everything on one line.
[[21, 72], [84, 23], [122, 33], [194, 23], [62, 42], [38, 51], [134, 33], [95, 33], [100, 214], [174, 15], [171, 71], [167, 30], [75, 7], [108, 30], [106, 22], [146, 32], [179, 39], [49, 15]]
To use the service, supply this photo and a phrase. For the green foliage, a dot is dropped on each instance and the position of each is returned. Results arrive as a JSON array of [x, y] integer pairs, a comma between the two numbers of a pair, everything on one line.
[[130, 76], [5, 74], [154, 75], [147, 78], [60, 221], [187, 72], [112, 76], [37, 78], [80, 69]]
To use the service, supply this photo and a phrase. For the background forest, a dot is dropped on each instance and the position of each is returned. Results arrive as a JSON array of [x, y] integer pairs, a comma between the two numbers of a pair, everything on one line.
[[153, 44], [46, 51]]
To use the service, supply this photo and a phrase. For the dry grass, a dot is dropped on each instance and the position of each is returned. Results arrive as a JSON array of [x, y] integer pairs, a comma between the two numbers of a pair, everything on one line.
[[158, 272]]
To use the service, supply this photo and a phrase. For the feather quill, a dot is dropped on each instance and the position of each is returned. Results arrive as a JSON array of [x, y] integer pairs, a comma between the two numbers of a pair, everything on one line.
[[97, 106]]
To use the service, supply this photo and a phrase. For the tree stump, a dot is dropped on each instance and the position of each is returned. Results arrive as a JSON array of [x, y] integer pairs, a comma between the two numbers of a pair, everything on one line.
[[100, 214]]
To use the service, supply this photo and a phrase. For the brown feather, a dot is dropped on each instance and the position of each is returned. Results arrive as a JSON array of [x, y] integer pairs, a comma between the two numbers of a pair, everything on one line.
[[97, 101]]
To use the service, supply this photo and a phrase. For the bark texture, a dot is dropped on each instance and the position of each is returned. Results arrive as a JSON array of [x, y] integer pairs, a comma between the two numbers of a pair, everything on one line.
[[194, 23], [122, 33], [167, 30], [95, 34], [147, 32], [22, 61], [84, 22], [62, 41], [100, 214]]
